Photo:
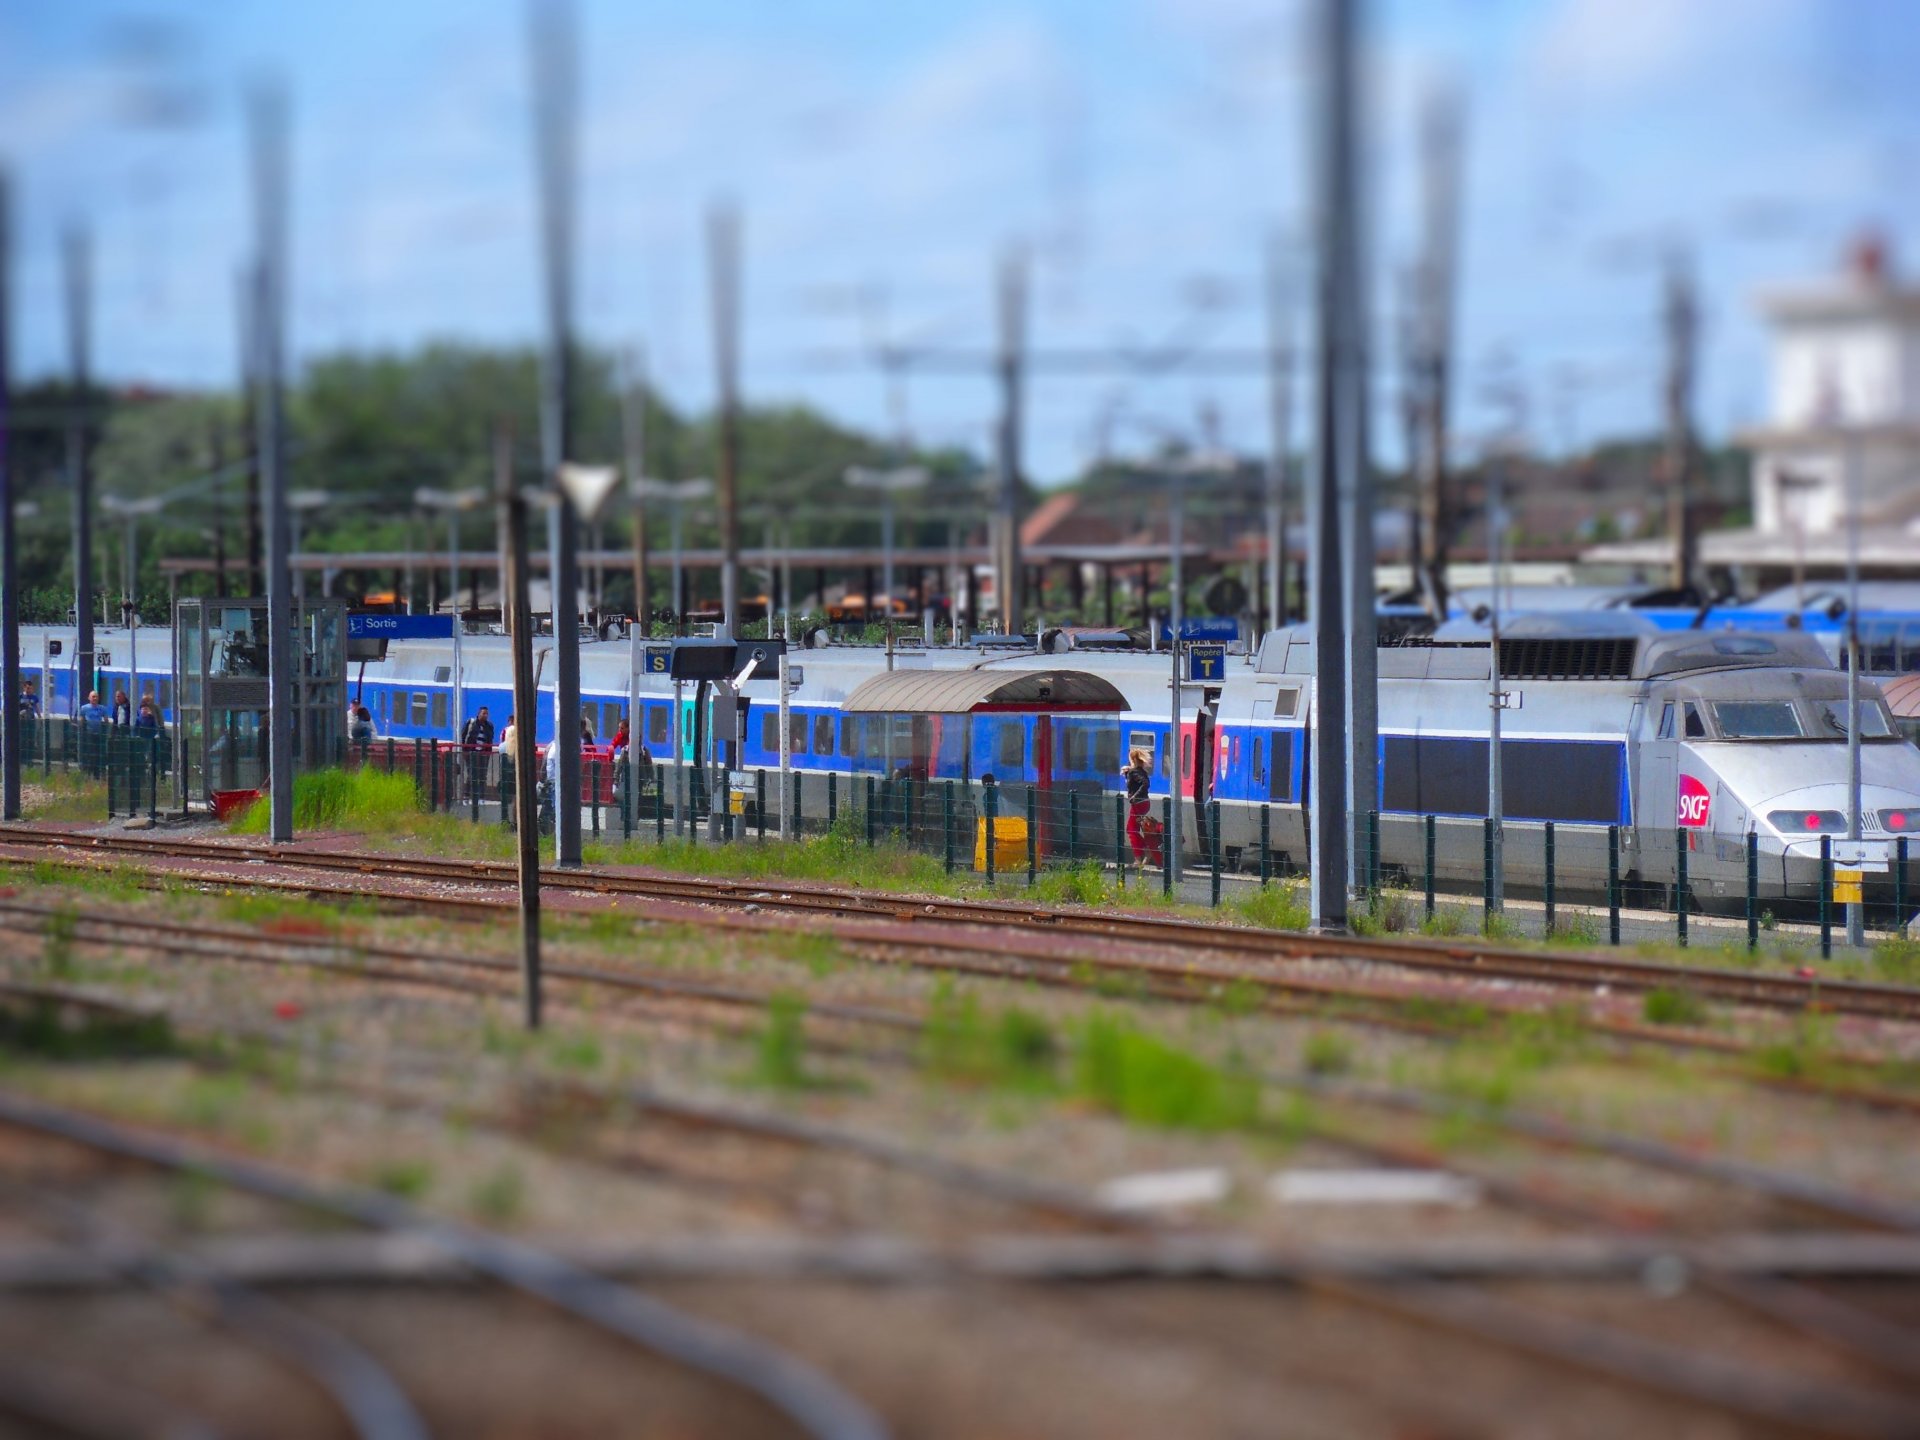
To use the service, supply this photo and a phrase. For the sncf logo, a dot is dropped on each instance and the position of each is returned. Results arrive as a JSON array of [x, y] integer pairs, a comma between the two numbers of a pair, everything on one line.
[[1695, 803]]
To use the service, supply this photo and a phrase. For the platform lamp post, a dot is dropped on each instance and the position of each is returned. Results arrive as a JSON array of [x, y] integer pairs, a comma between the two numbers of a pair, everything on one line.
[[888, 483], [455, 503], [131, 511], [677, 494], [299, 502]]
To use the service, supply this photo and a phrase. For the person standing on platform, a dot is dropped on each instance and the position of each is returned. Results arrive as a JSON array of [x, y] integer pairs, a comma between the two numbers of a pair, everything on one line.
[[1139, 778], [477, 741]]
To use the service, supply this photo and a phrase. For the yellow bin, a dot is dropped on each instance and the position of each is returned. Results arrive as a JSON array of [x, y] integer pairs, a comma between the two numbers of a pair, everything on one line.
[[1009, 843]]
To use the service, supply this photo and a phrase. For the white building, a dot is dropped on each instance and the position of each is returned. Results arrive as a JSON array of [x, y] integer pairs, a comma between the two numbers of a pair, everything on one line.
[[1845, 390]]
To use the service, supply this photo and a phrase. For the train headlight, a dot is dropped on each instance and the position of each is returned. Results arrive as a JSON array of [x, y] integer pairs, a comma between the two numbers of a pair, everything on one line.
[[1807, 822], [1900, 822]]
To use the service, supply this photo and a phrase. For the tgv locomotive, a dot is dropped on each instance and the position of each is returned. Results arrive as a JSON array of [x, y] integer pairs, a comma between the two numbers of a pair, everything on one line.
[[1683, 739]]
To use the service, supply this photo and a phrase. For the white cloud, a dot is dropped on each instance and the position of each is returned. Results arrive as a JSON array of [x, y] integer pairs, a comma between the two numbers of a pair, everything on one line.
[[1615, 49]]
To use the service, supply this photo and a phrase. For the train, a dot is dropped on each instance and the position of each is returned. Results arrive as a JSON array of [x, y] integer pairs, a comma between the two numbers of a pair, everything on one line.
[[1616, 730]]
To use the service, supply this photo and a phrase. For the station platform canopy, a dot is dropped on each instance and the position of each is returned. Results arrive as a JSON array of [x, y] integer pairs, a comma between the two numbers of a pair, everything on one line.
[[963, 692]]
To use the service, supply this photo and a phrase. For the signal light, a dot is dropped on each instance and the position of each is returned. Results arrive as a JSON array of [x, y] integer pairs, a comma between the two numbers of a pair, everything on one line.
[[1900, 820], [1813, 820]]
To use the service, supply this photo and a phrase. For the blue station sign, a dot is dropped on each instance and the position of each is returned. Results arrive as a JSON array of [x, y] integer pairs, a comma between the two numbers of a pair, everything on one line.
[[399, 627], [1206, 663], [1209, 627], [656, 660]]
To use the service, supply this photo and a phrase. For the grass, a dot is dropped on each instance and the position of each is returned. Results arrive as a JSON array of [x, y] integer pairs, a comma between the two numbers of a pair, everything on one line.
[[1326, 1053], [57, 953], [780, 1049], [1008, 1050], [403, 1179], [362, 799], [1673, 1007], [499, 1198], [1145, 1080], [1276, 907], [48, 1030], [62, 795]]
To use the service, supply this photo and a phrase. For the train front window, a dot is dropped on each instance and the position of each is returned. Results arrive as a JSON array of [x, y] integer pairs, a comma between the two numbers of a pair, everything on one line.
[[1831, 719], [1756, 720]]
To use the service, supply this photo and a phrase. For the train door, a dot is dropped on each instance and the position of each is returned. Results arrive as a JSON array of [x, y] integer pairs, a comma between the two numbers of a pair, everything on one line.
[[1657, 806], [1205, 729]]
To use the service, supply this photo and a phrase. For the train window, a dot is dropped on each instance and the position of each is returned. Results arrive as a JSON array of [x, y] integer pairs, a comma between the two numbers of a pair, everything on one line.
[[1286, 702], [1010, 745], [1756, 719], [1832, 717], [439, 711], [1280, 767], [419, 707], [770, 733], [657, 724], [1696, 723], [442, 674], [823, 735], [1186, 755], [1073, 748], [1666, 721], [1568, 780], [876, 738], [847, 725], [1257, 761], [1106, 750], [797, 733]]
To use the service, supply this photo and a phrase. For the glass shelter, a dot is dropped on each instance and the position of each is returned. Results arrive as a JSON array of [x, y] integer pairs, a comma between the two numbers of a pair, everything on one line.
[[220, 691]]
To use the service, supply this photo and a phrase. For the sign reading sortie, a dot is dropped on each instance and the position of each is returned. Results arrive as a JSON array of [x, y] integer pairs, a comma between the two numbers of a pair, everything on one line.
[[1695, 803]]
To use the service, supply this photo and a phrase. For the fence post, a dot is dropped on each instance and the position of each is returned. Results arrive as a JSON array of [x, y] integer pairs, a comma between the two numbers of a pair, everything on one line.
[[1266, 844], [660, 803], [1900, 885], [796, 783], [1213, 834], [869, 797], [1826, 897], [760, 804], [1120, 838], [109, 785], [1549, 897], [946, 825], [1073, 827], [1166, 846], [593, 779], [1428, 827], [1373, 853], [1753, 890], [1613, 884], [506, 791], [1033, 839], [990, 801], [1680, 886], [689, 804], [1486, 874], [476, 764], [153, 778], [833, 798]]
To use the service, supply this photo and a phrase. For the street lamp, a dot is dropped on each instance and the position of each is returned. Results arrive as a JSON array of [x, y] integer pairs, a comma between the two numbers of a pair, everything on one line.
[[454, 502], [131, 511], [298, 503], [889, 483], [676, 493]]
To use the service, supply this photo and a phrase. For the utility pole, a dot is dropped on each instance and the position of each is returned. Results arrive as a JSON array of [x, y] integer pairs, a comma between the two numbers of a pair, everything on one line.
[[1280, 321], [1009, 581], [1339, 423], [77, 251], [1856, 912], [1440, 171], [517, 609], [723, 251], [555, 90], [633, 437], [1682, 327], [9, 548], [269, 126], [246, 297]]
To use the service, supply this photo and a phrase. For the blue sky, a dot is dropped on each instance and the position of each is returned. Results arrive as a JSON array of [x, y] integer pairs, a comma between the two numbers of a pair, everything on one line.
[[884, 154]]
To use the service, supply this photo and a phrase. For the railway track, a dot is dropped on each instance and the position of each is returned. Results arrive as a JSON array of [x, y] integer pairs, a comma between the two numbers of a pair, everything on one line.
[[786, 1385], [1455, 958], [1597, 1349]]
